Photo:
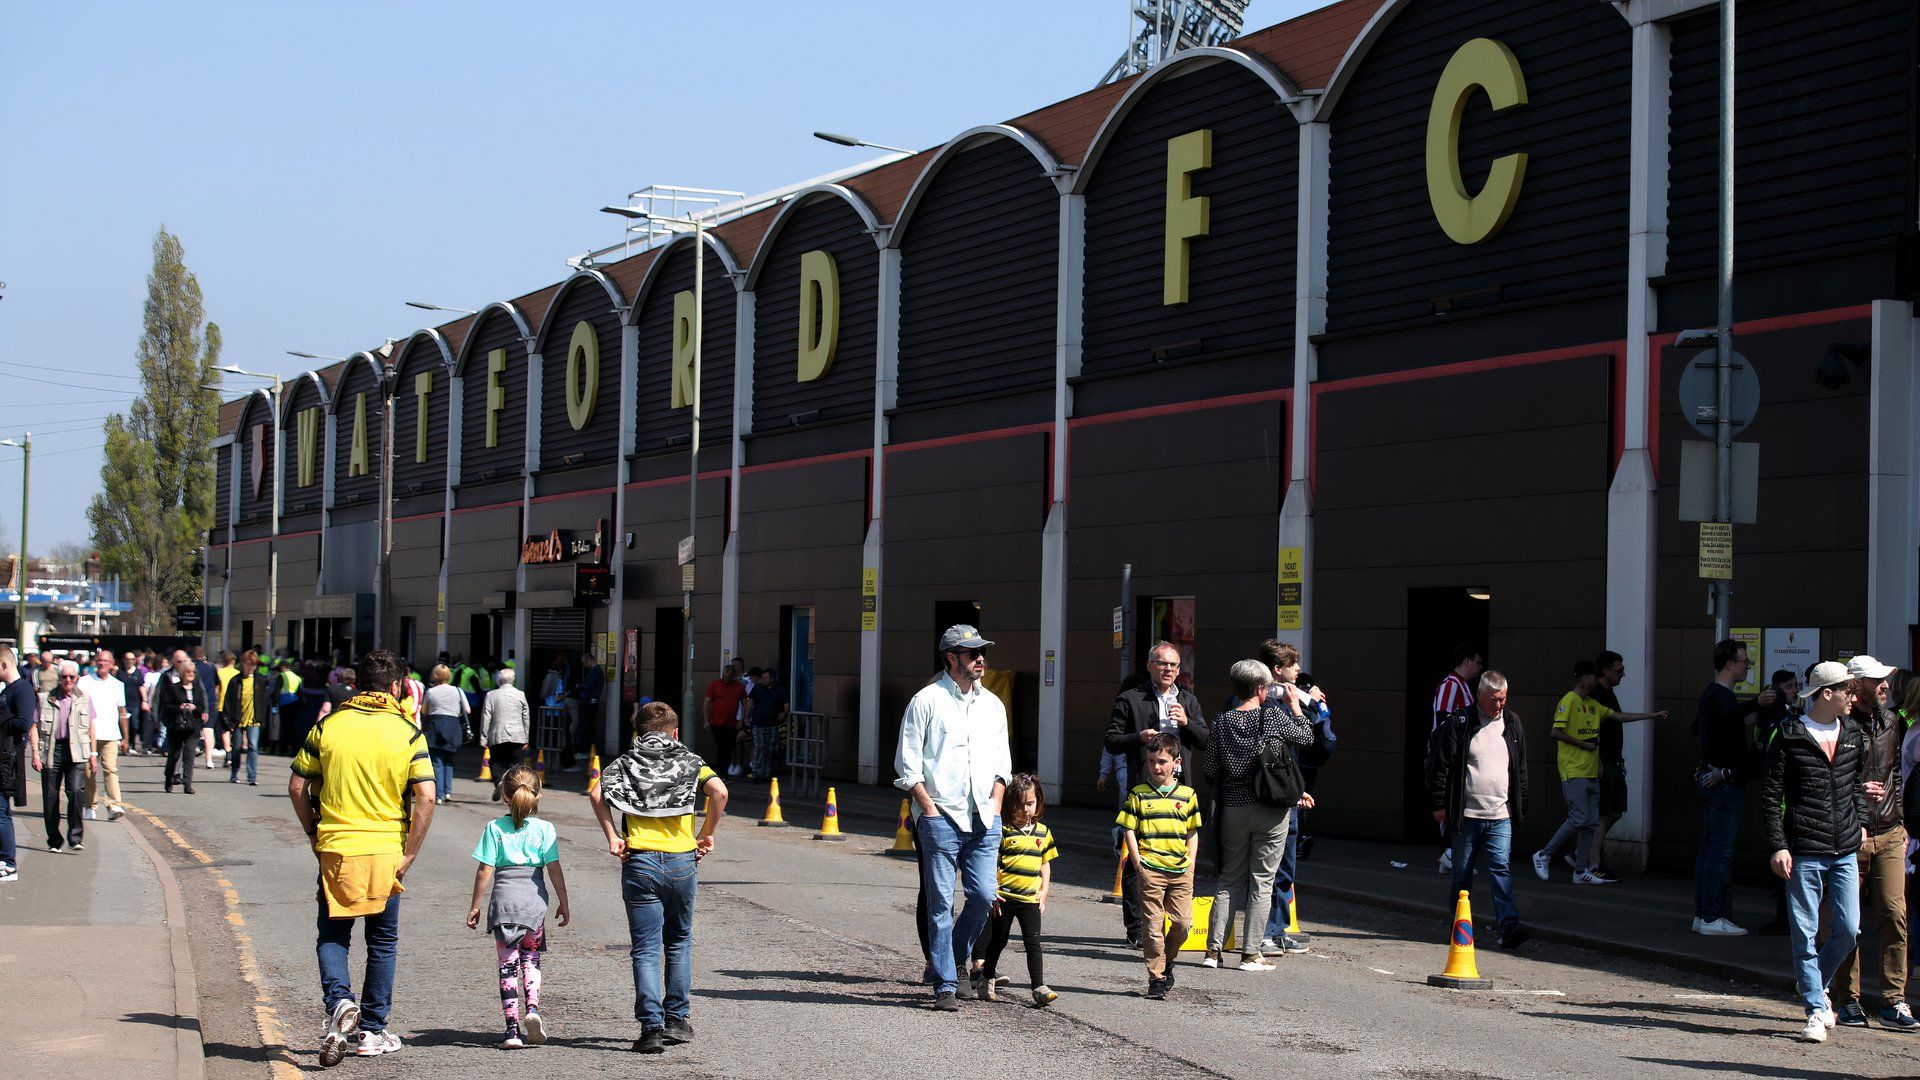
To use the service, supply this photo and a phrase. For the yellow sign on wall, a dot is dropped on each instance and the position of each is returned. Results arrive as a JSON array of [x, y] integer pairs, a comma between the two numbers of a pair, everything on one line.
[[1716, 550], [1292, 581]]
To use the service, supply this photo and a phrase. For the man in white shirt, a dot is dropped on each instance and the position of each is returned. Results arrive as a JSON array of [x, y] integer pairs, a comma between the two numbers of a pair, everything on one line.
[[954, 762], [109, 697]]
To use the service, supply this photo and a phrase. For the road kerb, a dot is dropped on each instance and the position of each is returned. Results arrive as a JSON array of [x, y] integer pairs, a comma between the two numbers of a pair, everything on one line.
[[190, 1060]]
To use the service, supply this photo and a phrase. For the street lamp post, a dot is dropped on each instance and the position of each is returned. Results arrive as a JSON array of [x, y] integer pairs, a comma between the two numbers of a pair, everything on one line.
[[273, 510], [25, 443]]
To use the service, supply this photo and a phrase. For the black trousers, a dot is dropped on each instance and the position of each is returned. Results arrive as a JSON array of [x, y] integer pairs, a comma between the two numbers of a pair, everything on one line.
[[63, 774], [994, 941], [724, 741], [1130, 901], [500, 758], [182, 749]]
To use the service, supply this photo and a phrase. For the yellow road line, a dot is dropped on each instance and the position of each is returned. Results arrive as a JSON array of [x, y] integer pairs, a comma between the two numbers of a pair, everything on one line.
[[265, 1018]]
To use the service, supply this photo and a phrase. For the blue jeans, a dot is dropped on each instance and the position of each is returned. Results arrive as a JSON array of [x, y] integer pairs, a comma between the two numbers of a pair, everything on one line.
[[1473, 839], [332, 939], [1834, 880], [7, 853], [1283, 880], [247, 739], [1719, 824], [658, 890], [974, 856], [442, 771]]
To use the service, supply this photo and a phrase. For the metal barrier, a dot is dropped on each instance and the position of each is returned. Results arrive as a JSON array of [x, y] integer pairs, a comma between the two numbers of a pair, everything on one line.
[[806, 751], [551, 733]]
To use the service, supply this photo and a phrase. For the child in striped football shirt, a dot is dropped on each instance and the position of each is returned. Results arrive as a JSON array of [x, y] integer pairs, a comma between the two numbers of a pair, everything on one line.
[[1026, 847], [1162, 820]]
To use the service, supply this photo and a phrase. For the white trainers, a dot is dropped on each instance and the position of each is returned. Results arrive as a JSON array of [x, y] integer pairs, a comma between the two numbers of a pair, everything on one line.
[[1589, 877], [87, 814], [1446, 861], [341, 1024], [1211, 960], [9, 873], [511, 1042], [375, 1043], [1720, 927], [1815, 1029], [1256, 964], [533, 1027], [115, 813], [1542, 865]]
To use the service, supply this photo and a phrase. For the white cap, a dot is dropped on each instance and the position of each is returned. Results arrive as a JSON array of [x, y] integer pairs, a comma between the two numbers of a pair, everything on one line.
[[1866, 667], [1824, 675]]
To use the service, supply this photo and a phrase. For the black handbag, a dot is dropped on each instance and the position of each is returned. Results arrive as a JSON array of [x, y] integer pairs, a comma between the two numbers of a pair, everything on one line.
[[1276, 777]]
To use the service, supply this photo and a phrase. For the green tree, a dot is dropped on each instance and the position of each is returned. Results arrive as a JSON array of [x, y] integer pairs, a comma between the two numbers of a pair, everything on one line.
[[156, 502]]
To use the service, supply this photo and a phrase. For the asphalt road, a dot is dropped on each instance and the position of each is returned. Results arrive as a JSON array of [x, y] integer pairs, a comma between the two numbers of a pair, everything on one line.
[[805, 963]]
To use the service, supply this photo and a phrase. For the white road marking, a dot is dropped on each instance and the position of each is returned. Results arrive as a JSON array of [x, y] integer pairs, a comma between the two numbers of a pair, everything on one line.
[[1702, 997], [1380, 971]]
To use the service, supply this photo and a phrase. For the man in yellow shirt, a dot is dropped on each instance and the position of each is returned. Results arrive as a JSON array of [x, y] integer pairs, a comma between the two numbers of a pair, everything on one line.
[[1576, 728], [653, 786], [229, 667], [362, 787]]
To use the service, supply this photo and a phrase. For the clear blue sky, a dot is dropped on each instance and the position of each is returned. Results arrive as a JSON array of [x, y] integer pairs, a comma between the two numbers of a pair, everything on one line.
[[323, 163]]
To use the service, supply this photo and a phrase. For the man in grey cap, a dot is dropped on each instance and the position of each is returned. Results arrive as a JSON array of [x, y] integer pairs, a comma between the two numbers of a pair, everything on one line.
[[954, 762], [1883, 858]]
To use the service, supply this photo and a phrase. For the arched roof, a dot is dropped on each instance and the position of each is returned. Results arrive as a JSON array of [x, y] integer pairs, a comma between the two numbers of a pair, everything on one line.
[[1370, 35], [473, 333], [419, 339], [288, 393], [264, 400], [715, 244], [801, 198], [346, 372], [973, 136], [579, 279], [1179, 63]]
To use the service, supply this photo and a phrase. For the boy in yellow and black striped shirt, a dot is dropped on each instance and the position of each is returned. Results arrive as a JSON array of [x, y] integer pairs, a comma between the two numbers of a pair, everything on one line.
[[1162, 822], [1026, 847]]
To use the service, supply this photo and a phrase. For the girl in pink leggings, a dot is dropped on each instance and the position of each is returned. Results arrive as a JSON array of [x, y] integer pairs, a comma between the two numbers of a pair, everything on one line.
[[514, 853]]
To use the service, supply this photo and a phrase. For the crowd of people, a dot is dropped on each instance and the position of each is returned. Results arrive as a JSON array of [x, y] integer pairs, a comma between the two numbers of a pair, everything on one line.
[[1832, 749]]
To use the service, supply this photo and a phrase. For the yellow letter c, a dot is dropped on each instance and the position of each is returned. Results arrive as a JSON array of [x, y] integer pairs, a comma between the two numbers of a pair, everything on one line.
[[1480, 64]]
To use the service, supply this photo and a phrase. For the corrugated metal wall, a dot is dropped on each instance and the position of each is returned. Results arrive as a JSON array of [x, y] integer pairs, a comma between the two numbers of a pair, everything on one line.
[[1388, 259], [350, 492], [655, 417], [479, 463], [300, 506], [410, 476], [598, 444], [979, 263], [845, 392], [1241, 272]]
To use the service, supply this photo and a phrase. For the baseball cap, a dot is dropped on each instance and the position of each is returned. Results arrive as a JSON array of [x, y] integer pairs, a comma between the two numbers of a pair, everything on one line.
[[1823, 676], [1866, 667], [962, 636]]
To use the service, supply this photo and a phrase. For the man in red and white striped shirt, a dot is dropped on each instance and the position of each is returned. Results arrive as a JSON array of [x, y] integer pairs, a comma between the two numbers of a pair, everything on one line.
[[1454, 693], [1456, 690]]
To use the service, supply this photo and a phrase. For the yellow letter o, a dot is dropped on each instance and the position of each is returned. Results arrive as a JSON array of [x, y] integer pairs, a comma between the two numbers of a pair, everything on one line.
[[583, 374]]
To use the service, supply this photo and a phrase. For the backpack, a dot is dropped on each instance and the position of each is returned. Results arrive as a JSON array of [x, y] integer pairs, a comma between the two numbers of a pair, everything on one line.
[[1276, 777]]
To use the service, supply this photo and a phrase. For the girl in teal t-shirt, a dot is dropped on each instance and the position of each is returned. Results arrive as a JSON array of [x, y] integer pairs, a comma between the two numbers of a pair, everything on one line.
[[514, 852]]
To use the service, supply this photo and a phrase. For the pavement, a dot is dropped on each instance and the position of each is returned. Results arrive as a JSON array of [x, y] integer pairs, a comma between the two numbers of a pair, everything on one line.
[[805, 960]]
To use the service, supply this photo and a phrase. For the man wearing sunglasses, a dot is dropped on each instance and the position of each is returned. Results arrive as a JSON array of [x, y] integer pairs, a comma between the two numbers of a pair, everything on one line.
[[954, 761], [63, 753]]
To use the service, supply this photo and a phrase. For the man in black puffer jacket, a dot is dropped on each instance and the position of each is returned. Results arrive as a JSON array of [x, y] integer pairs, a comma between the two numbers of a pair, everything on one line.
[[1815, 806]]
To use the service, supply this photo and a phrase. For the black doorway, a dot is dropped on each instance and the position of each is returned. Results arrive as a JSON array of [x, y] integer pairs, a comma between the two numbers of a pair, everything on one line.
[[1438, 621], [668, 664]]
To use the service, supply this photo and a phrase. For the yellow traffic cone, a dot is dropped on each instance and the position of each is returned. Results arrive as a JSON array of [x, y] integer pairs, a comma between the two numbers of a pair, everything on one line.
[[773, 819], [1461, 973], [1293, 917], [486, 764], [903, 833], [830, 828], [1117, 896], [540, 766], [593, 770]]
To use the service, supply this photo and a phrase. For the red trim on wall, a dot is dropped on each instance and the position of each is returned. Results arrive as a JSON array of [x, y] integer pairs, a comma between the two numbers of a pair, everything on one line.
[[664, 481], [1180, 407], [773, 466], [515, 504], [1042, 428], [571, 495]]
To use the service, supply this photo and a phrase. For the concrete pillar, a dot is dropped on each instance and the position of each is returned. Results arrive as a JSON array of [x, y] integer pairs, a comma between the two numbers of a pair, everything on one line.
[[1053, 541], [886, 393], [1309, 320], [1631, 505], [1893, 538]]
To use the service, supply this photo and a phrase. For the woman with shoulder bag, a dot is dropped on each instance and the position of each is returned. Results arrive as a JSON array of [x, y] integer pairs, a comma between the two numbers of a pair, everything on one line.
[[1256, 784], [181, 700]]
